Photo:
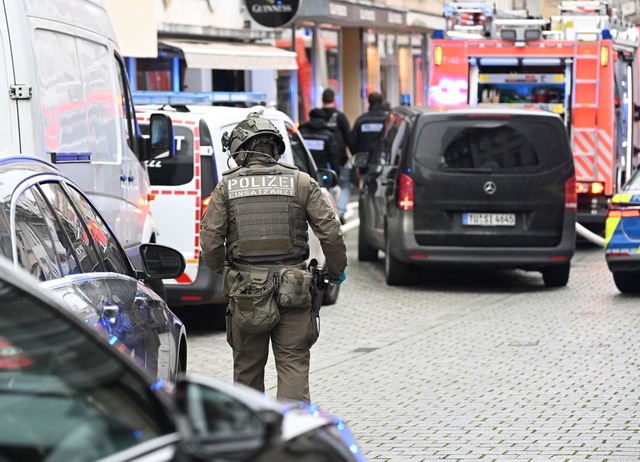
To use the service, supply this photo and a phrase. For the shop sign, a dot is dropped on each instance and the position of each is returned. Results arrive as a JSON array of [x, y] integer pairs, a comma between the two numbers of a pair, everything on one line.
[[272, 13], [367, 15], [395, 18], [335, 9]]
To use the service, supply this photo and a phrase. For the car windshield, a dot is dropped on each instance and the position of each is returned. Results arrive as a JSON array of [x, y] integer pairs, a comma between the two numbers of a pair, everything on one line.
[[63, 395], [483, 144]]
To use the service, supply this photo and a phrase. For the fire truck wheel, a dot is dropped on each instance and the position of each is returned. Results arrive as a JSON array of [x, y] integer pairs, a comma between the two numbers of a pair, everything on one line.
[[556, 276], [627, 282]]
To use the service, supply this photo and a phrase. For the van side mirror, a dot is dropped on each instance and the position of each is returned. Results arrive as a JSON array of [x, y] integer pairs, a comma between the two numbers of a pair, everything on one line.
[[161, 137]]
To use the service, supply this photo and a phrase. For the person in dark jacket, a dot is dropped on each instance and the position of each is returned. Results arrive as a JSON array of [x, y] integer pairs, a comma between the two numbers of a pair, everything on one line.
[[321, 142], [368, 127], [341, 129]]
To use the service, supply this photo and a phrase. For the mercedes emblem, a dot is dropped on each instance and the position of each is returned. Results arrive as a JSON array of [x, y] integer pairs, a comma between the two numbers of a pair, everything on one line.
[[489, 187]]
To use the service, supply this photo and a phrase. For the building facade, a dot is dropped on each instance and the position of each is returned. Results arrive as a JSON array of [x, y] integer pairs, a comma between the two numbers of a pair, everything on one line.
[[354, 46]]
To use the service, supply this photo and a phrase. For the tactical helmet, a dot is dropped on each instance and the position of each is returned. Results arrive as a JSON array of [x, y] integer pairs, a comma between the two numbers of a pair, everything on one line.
[[250, 130]]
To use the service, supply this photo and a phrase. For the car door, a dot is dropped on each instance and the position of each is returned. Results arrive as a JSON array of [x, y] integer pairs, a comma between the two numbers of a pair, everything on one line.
[[65, 243], [380, 179]]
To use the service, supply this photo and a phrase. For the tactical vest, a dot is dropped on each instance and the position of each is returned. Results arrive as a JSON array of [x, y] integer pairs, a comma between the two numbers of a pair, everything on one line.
[[266, 224], [369, 129], [318, 141]]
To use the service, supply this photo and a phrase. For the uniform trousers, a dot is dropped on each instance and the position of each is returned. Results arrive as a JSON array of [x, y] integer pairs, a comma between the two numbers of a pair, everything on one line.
[[291, 340]]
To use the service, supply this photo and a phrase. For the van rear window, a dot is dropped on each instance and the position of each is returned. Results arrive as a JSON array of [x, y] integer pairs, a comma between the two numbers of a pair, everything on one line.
[[176, 171], [489, 145]]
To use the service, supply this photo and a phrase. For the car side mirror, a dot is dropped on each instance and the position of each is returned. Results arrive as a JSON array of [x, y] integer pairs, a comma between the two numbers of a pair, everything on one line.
[[161, 262], [226, 421], [161, 141], [360, 159], [327, 178]]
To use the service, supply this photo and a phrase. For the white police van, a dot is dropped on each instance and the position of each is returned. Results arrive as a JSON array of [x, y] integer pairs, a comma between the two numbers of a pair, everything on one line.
[[182, 186], [65, 98]]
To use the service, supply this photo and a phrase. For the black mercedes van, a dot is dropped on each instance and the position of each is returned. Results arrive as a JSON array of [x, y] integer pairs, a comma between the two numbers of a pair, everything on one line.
[[485, 187]]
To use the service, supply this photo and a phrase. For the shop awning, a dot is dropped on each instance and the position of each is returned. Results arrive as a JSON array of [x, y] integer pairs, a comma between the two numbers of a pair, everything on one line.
[[421, 22], [135, 26], [231, 55]]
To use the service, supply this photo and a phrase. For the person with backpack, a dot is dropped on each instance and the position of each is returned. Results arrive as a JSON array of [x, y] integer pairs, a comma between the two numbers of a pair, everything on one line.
[[320, 141], [339, 125], [368, 127]]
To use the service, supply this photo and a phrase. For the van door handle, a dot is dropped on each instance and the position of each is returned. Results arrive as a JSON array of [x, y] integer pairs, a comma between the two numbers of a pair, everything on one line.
[[386, 182]]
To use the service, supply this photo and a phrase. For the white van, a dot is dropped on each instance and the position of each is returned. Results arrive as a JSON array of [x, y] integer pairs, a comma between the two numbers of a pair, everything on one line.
[[66, 99], [183, 185]]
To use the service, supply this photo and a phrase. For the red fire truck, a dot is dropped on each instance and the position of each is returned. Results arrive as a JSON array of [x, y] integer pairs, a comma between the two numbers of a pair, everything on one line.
[[581, 64]]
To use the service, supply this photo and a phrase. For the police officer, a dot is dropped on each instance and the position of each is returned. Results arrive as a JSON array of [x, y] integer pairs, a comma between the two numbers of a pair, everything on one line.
[[368, 127], [339, 125], [257, 221], [321, 141]]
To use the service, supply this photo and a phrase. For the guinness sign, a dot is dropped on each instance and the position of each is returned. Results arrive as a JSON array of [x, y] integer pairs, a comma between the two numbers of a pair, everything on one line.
[[273, 13]]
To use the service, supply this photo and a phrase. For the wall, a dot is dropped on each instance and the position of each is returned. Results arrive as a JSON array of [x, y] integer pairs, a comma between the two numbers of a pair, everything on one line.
[[227, 14]]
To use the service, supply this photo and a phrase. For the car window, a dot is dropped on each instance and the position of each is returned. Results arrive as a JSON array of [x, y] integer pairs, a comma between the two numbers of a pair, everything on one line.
[[391, 140], [40, 250], [178, 170], [482, 144], [69, 226], [63, 395], [107, 245], [126, 111]]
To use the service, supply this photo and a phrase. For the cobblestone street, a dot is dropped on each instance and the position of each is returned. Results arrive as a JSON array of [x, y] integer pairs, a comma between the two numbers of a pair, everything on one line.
[[473, 365]]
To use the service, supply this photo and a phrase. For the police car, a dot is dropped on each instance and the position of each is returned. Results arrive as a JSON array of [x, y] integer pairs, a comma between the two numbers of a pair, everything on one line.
[[182, 186], [622, 237]]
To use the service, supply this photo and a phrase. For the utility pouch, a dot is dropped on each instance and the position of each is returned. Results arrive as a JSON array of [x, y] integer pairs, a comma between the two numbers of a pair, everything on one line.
[[229, 276], [295, 288], [252, 302]]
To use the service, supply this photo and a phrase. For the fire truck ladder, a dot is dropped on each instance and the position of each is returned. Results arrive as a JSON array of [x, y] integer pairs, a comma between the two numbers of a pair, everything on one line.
[[584, 135]]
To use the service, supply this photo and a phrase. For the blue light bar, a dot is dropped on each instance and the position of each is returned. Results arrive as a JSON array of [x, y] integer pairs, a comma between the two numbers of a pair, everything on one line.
[[182, 98], [70, 157]]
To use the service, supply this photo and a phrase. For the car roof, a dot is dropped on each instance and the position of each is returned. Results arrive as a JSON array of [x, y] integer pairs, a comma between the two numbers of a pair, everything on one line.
[[223, 118], [215, 115], [474, 110], [14, 170]]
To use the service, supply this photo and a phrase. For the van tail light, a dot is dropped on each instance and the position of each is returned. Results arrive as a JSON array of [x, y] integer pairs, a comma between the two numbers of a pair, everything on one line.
[[205, 204], [405, 192], [570, 194]]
